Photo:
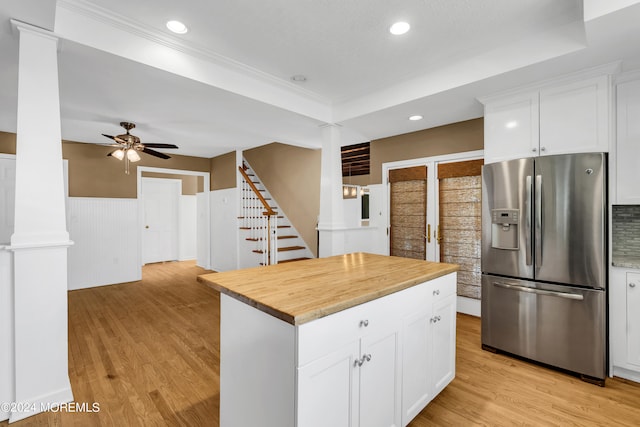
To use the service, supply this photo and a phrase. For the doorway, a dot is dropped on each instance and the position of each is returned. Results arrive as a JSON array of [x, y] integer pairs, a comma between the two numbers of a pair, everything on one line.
[[160, 198], [444, 195]]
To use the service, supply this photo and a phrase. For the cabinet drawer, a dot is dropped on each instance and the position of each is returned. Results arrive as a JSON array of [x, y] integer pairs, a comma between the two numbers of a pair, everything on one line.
[[442, 287], [319, 337]]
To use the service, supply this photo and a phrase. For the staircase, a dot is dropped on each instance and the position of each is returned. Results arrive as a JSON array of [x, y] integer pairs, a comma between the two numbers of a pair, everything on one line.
[[267, 237]]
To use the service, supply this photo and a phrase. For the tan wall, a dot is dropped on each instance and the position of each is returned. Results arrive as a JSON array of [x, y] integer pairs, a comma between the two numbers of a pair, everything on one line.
[[7, 143], [292, 176], [93, 174], [453, 138], [357, 180], [191, 184], [223, 171]]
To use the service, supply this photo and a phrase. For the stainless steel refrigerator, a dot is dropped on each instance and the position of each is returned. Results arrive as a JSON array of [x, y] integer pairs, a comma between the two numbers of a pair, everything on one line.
[[544, 261]]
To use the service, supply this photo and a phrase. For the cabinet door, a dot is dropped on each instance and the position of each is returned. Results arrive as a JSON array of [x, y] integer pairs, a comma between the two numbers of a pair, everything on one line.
[[380, 380], [443, 343], [416, 364], [511, 128], [574, 118], [633, 318], [328, 390], [627, 147]]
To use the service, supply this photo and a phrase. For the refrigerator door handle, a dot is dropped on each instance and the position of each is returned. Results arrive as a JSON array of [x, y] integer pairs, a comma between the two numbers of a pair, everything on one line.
[[538, 220], [527, 220], [566, 295]]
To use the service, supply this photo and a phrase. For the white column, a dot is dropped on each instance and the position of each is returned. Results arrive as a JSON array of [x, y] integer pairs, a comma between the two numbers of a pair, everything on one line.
[[331, 224], [40, 238]]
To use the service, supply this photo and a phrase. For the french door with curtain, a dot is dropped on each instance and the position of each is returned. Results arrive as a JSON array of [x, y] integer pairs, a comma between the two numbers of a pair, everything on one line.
[[434, 214]]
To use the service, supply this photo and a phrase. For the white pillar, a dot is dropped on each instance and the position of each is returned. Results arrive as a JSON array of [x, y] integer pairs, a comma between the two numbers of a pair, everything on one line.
[[40, 238], [331, 224]]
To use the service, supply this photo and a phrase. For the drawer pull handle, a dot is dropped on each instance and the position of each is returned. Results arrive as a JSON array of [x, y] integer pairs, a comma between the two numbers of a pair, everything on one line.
[[435, 319], [436, 292], [359, 362], [364, 323], [632, 285]]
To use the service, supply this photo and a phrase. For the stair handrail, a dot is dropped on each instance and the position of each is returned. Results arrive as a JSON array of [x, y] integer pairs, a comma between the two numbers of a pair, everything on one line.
[[269, 210]]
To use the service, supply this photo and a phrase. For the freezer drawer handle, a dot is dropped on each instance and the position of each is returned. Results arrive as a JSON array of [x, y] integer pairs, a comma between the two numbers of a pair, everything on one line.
[[539, 291]]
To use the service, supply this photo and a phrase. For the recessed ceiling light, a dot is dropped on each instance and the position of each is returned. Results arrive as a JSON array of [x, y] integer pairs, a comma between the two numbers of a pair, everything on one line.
[[299, 78], [177, 27], [399, 28], [416, 117]]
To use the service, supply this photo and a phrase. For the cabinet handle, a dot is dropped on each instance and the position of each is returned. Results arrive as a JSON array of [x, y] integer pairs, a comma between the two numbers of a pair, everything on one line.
[[632, 285], [359, 362], [534, 149], [543, 149], [364, 323], [436, 292], [435, 319]]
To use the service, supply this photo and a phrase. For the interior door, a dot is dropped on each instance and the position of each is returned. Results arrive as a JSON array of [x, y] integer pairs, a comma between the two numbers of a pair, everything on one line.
[[160, 222], [460, 224], [408, 212]]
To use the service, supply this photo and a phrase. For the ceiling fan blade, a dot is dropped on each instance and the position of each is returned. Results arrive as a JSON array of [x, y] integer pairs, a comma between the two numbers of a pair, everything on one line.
[[155, 153], [109, 136], [161, 145]]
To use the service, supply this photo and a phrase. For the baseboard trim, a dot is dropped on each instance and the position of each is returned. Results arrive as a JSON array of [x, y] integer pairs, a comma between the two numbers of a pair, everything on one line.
[[627, 374], [43, 403], [468, 306]]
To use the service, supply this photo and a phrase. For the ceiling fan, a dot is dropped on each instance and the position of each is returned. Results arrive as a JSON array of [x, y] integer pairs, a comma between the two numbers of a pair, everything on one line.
[[129, 145]]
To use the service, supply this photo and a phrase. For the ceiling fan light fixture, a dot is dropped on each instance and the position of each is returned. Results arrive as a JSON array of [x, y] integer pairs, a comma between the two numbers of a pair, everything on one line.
[[133, 155], [177, 27], [118, 154]]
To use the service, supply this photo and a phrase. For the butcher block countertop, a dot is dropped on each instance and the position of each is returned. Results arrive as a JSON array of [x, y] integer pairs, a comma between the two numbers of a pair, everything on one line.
[[302, 291]]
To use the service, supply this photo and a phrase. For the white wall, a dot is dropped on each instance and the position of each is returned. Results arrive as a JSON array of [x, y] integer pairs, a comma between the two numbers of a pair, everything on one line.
[[224, 229], [203, 229], [106, 242], [187, 226], [371, 238], [6, 331]]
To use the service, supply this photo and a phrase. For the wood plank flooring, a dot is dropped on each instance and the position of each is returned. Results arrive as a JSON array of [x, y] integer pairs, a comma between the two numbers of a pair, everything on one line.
[[148, 353]]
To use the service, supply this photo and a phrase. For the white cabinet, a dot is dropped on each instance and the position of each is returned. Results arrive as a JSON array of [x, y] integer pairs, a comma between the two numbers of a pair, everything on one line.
[[511, 127], [428, 335], [570, 117], [625, 323], [377, 364], [627, 161]]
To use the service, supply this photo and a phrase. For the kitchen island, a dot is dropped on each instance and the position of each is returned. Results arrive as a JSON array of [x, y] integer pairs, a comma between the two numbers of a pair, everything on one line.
[[353, 340]]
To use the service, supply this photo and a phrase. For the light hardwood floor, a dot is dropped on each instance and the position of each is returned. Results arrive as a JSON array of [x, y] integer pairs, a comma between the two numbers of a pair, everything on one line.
[[148, 353]]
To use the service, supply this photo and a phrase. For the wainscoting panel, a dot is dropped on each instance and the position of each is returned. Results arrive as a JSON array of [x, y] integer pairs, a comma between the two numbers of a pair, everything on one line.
[[224, 229], [187, 224], [6, 331], [106, 242], [203, 258]]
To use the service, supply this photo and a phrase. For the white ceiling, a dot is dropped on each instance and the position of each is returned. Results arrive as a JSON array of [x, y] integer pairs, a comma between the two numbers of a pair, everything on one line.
[[226, 83]]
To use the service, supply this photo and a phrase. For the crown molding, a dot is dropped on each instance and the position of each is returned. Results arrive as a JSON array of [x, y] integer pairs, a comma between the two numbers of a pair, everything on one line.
[[137, 29]]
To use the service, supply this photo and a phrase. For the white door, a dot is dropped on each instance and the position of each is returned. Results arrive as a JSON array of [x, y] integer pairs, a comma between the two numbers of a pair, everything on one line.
[[327, 390], [160, 219], [7, 198], [380, 380], [443, 343]]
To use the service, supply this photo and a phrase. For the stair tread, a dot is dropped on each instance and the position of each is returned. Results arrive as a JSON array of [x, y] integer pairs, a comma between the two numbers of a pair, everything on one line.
[[281, 249], [292, 260], [258, 239], [249, 228]]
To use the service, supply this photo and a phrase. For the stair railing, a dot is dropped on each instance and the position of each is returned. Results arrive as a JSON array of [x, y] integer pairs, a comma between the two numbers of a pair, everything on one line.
[[260, 218]]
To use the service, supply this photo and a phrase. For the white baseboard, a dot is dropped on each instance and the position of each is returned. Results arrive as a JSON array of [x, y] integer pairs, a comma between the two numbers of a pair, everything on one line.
[[626, 374], [43, 403], [469, 306]]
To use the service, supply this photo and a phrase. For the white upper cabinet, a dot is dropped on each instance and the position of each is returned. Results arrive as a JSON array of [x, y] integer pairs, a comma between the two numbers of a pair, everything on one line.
[[574, 118], [511, 128], [627, 175], [568, 117]]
